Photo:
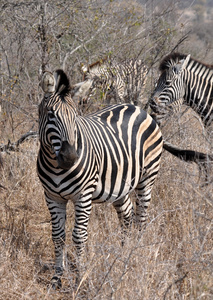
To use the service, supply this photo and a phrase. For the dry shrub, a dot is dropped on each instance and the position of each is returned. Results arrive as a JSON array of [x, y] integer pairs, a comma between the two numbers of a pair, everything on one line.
[[171, 259]]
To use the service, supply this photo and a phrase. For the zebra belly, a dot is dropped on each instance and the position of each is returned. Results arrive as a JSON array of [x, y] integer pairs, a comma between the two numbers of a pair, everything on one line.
[[110, 191], [109, 197]]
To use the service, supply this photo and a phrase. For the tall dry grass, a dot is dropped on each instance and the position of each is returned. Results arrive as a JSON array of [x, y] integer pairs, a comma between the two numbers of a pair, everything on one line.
[[171, 259]]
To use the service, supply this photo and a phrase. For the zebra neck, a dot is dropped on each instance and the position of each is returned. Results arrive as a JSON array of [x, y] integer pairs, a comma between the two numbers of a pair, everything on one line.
[[199, 92]]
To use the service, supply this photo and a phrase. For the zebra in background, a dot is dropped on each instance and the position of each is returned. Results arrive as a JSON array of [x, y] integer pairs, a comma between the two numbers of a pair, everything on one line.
[[98, 158], [183, 80], [122, 82]]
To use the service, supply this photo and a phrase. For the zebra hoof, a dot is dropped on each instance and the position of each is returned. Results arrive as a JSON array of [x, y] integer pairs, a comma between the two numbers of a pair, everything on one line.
[[56, 283]]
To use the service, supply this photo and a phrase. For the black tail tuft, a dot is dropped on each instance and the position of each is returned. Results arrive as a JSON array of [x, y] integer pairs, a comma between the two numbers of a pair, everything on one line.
[[187, 155]]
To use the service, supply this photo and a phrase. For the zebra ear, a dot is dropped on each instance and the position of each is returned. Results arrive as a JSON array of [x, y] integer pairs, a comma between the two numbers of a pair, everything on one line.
[[185, 61], [62, 83], [181, 65], [48, 82]]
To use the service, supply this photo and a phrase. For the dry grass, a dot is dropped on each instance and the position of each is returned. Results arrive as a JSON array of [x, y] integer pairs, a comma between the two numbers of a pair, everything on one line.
[[172, 259]]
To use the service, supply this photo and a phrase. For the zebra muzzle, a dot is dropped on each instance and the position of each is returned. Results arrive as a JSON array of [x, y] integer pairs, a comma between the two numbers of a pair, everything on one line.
[[67, 156]]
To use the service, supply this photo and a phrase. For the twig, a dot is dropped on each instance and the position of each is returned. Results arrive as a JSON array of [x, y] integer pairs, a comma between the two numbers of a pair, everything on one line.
[[20, 109], [176, 281], [14, 147], [181, 40], [86, 274], [3, 187], [83, 44], [105, 277]]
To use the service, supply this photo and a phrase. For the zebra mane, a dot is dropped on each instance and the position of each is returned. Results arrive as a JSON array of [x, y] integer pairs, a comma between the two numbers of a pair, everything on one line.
[[174, 58], [62, 82], [170, 60]]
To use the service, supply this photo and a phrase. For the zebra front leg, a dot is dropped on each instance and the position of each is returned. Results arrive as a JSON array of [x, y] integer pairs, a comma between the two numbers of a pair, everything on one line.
[[82, 213], [58, 217], [125, 213]]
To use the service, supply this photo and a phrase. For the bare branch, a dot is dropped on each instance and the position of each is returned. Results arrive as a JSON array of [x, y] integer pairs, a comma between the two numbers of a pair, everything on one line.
[[14, 147], [83, 44]]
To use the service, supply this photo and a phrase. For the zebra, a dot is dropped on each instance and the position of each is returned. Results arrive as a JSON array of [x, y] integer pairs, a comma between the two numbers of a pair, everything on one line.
[[123, 82], [97, 158], [183, 80]]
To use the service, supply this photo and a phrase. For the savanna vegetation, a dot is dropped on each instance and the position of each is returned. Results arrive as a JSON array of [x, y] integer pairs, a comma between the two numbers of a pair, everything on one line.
[[172, 258]]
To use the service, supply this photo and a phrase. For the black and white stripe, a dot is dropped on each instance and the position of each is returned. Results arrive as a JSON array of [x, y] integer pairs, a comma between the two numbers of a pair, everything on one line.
[[184, 80], [119, 82], [98, 158]]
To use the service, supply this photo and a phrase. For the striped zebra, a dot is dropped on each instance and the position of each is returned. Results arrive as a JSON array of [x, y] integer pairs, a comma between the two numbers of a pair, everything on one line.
[[98, 158], [183, 80], [121, 82]]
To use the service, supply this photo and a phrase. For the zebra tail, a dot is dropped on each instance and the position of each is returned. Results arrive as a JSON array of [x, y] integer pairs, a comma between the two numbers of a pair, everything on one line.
[[187, 155]]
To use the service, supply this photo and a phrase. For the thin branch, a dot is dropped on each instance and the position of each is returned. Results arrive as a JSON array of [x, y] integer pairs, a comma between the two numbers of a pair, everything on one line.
[[14, 147], [83, 44], [7, 60], [181, 40], [20, 109], [176, 281]]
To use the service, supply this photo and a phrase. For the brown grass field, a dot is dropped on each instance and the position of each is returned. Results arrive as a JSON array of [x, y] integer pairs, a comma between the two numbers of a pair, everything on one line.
[[171, 259]]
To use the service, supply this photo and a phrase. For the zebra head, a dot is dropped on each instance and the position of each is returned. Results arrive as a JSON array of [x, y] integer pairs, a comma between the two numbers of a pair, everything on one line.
[[94, 77], [57, 115], [170, 87]]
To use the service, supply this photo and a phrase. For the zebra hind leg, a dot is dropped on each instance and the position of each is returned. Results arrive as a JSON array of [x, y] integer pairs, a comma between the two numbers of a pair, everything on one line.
[[58, 216], [125, 213], [143, 197], [142, 202]]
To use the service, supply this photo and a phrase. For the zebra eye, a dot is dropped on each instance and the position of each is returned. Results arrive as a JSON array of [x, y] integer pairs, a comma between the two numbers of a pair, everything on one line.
[[51, 116], [175, 70]]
